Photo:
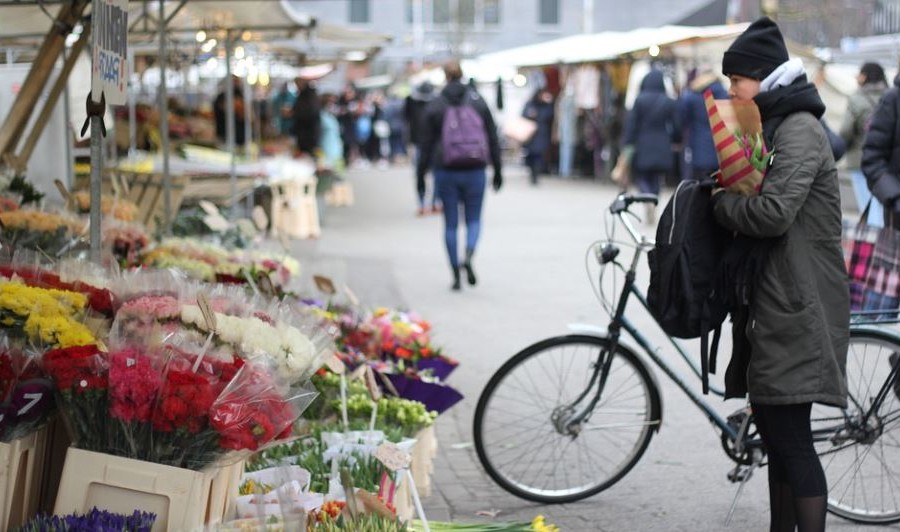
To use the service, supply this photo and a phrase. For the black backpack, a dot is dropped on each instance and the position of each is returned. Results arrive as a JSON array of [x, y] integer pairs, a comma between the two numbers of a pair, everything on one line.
[[685, 271]]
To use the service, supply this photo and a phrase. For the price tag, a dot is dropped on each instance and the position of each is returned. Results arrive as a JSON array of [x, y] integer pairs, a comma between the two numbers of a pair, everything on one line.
[[372, 385], [210, 209], [351, 296], [67, 196], [359, 372], [207, 312], [324, 284], [266, 286], [259, 218], [393, 457], [335, 364], [374, 504], [216, 222]]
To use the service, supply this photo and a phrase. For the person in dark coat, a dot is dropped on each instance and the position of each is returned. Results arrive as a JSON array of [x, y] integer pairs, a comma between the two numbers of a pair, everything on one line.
[[539, 109], [860, 106], [695, 123], [458, 186], [791, 341], [881, 154], [650, 132], [307, 117], [220, 114], [414, 111]]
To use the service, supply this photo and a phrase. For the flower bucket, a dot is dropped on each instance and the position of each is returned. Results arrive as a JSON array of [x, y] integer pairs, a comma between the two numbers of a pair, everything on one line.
[[435, 396], [180, 498], [20, 478], [440, 367]]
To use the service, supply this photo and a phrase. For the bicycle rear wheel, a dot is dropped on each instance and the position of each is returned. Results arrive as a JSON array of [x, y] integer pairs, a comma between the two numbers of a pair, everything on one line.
[[862, 461], [518, 442]]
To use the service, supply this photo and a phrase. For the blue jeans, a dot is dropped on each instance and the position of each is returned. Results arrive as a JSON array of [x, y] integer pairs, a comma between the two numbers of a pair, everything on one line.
[[455, 188], [862, 193], [648, 182]]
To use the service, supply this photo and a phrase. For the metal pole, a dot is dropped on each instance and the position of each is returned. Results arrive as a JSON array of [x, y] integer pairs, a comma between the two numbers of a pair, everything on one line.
[[230, 125], [70, 140], [96, 154], [132, 111], [248, 131], [164, 121]]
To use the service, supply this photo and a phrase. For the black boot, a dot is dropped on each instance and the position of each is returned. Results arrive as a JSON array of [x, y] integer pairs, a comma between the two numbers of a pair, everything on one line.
[[456, 284], [470, 272]]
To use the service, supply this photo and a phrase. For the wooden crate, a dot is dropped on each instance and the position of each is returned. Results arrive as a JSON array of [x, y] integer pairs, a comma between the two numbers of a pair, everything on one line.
[[295, 212], [181, 499], [21, 466]]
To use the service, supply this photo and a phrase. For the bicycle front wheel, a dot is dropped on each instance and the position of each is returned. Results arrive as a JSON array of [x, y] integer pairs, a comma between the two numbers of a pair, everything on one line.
[[517, 434], [861, 457]]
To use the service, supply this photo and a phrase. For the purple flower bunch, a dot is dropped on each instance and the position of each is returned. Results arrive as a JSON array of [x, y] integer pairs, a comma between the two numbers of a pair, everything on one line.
[[93, 521]]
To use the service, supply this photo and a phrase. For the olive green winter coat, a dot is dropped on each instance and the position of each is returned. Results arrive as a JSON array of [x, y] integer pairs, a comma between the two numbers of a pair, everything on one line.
[[797, 326]]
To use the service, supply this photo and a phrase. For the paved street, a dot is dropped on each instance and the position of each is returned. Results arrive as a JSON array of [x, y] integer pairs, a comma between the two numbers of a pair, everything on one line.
[[532, 283]]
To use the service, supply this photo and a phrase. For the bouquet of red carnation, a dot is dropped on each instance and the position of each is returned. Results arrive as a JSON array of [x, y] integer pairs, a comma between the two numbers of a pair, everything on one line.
[[26, 396], [191, 383], [80, 377], [135, 377], [255, 409]]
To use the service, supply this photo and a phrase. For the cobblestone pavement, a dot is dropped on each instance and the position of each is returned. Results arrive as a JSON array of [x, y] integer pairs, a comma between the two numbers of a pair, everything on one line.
[[532, 283]]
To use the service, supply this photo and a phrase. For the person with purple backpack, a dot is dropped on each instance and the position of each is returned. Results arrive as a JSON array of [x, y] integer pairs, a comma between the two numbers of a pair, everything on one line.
[[458, 141]]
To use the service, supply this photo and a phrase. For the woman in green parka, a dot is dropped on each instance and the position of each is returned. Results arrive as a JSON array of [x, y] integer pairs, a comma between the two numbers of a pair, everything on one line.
[[791, 339]]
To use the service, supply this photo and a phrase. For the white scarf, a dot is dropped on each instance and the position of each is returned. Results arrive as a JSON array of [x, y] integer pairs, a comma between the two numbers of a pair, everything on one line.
[[784, 75]]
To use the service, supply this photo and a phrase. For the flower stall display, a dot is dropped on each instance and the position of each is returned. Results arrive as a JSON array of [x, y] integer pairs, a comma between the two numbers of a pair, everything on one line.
[[740, 146], [116, 208], [125, 242], [93, 520], [48, 232], [26, 396]]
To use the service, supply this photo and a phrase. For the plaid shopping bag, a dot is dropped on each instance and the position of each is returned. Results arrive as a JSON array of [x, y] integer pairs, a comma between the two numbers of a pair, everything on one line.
[[882, 287], [859, 246]]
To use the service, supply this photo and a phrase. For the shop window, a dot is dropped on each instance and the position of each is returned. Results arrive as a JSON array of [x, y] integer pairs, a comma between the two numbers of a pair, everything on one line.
[[360, 12], [491, 12], [466, 12], [548, 12], [440, 12]]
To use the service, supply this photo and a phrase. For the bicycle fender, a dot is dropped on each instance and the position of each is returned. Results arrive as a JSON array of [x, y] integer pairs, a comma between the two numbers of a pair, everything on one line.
[[600, 332]]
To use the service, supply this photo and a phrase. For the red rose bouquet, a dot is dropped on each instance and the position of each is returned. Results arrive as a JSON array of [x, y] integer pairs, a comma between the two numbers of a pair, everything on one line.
[[80, 377]]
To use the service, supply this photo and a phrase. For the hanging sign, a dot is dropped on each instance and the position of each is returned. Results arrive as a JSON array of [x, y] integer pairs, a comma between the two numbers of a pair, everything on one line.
[[109, 25]]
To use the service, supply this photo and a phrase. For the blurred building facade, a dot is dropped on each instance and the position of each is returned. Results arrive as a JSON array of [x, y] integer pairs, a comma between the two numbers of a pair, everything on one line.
[[431, 30]]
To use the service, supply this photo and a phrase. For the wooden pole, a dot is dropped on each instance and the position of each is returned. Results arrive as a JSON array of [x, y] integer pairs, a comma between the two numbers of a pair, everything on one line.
[[58, 86], [18, 116]]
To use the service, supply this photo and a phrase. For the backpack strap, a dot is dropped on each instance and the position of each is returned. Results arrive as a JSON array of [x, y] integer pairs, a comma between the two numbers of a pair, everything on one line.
[[708, 353]]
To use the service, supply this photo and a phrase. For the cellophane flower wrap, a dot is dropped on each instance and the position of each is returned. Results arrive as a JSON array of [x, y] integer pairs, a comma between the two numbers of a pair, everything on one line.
[[135, 378], [125, 242], [47, 232], [191, 382], [80, 376], [740, 147], [26, 395]]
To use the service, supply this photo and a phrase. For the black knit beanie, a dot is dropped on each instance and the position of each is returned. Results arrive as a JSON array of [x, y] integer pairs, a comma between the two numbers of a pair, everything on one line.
[[757, 52]]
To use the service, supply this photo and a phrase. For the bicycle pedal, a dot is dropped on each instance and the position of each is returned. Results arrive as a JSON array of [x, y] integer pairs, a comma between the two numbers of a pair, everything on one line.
[[740, 473]]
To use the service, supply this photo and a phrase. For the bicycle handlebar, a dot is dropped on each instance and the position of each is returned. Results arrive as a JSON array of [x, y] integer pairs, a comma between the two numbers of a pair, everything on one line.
[[619, 207]]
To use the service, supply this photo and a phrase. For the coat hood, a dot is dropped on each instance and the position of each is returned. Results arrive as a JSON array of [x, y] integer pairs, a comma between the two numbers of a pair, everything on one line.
[[776, 104], [653, 82], [454, 92]]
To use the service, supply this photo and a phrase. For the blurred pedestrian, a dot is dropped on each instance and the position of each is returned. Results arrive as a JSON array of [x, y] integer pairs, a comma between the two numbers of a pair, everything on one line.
[[331, 147], [220, 113], [540, 110], [395, 117], [414, 110], [307, 121], [651, 131], [860, 106], [348, 104], [283, 109], [790, 338], [700, 151], [459, 139]]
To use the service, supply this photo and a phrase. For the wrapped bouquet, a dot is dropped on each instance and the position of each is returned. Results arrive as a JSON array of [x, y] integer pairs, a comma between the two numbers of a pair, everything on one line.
[[740, 146]]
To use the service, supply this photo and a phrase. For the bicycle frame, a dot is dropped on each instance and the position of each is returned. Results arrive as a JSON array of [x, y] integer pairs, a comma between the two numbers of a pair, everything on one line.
[[619, 322]]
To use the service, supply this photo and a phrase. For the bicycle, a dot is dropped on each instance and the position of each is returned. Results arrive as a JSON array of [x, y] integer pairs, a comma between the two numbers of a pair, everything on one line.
[[569, 443]]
